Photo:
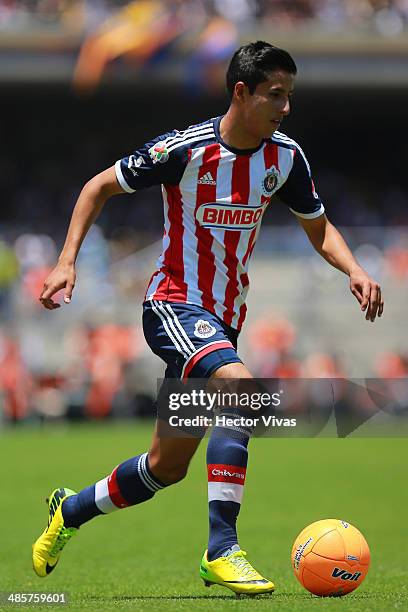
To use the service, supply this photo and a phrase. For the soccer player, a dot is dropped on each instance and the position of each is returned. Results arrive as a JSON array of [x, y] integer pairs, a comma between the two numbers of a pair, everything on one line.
[[217, 179]]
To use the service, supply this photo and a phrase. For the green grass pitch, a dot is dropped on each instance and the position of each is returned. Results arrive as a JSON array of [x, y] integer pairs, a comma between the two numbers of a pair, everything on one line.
[[147, 558]]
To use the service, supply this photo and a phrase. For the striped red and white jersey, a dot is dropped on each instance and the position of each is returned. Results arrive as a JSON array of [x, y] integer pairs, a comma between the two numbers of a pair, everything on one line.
[[214, 199]]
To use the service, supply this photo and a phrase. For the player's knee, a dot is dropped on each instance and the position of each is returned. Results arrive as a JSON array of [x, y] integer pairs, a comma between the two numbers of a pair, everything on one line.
[[231, 370], [165, 471], [175, 474]]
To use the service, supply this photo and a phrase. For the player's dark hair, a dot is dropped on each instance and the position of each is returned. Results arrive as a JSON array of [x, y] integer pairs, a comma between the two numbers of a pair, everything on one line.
[[252, 63]]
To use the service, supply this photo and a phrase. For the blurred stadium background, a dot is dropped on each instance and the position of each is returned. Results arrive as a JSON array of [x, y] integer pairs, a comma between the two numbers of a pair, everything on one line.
[[84, 82]]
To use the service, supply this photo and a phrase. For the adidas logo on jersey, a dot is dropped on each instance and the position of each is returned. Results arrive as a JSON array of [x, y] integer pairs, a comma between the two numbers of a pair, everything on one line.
[[207, 179]]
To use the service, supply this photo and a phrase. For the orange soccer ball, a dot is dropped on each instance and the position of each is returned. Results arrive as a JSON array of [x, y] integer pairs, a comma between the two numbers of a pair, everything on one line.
[[330, 558]]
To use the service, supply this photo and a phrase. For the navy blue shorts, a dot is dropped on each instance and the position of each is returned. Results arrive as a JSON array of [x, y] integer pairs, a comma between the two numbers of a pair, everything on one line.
[[191, 340]]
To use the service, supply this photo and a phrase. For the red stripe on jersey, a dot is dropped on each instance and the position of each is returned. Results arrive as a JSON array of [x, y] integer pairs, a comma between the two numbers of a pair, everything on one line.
[[271, 158], [220, 472], [173, 285], [242, 315], [202, 352], [244, 284], [207, 193], [251, 243], [244, 280], [114, 492], [239, 195]]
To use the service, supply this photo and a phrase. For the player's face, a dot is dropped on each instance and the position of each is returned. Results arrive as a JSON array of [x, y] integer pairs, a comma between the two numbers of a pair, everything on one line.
[[266, 108]]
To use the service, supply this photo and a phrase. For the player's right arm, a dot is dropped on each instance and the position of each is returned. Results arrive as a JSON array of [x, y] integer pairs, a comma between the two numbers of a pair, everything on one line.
[[151, 164], [89, 204]]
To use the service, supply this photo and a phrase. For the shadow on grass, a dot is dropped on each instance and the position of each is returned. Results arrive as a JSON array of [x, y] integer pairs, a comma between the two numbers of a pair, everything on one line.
[[163, 597], [174, 597], [266, 596]]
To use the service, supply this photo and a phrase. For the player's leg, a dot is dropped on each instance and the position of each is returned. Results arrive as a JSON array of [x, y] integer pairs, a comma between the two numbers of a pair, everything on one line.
[[227, 454], [132, 482], [169, 457], [207, 350], [138, 479]]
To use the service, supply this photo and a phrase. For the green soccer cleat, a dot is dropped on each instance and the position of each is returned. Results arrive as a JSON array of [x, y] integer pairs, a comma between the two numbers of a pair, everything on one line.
[[48, 548], [235, 573]]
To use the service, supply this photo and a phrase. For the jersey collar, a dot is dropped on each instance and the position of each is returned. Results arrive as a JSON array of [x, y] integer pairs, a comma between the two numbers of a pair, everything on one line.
[[216, 124]]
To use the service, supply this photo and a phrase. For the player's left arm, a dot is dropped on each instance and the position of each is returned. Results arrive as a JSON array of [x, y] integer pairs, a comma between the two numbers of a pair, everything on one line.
[[330, 244], [300, 195]]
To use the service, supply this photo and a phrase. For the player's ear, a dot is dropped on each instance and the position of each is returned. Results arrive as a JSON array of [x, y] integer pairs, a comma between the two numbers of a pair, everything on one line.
[[240, 90]]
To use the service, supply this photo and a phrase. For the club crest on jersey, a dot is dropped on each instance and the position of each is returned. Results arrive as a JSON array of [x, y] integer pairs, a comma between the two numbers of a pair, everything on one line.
[[229, 216], [204, 329], [270, 181], [159, 153]]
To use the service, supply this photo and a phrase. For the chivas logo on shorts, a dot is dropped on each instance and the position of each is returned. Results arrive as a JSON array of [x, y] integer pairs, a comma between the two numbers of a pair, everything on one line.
[[270, 181], [204, 329]]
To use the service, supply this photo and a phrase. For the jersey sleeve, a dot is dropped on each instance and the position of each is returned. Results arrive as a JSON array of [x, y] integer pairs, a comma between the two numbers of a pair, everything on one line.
[[154, 163], [299, 192]]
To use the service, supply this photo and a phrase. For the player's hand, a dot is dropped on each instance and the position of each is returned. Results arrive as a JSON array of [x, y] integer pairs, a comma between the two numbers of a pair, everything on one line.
[[62, 277], [368, 293]]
